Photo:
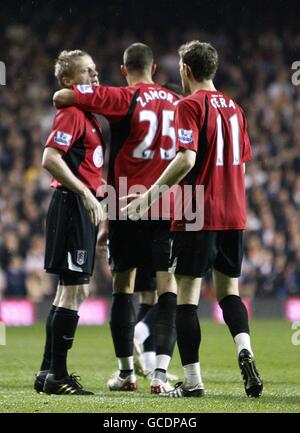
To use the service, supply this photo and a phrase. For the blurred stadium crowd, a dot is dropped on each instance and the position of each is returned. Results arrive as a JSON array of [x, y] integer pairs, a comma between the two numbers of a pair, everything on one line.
[[255, 69]]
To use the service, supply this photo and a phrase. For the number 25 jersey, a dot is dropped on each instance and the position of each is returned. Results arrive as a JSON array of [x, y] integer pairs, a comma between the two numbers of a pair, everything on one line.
[[142, 129]]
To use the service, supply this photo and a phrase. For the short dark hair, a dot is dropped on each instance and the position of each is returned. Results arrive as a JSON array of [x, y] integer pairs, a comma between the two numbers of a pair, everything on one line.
[[201, 57], [65, 64], [138, 57]]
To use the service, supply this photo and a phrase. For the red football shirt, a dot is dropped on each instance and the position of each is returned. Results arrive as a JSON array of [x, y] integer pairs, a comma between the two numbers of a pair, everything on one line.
[[214, 126], [78, 135], [142, 130]]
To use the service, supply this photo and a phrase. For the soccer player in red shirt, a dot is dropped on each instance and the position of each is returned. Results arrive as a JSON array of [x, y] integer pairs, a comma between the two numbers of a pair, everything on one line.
[[74, 156], [212, 148], [141, 117]]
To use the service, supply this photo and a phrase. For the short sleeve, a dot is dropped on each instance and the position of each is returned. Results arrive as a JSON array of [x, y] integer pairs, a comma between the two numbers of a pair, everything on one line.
[[111, 102], [247, 151], [186, 125], [68, 126]]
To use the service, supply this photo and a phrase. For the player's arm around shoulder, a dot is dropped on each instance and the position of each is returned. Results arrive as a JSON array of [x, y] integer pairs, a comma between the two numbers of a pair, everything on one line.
[[111, 102], [63, 98]]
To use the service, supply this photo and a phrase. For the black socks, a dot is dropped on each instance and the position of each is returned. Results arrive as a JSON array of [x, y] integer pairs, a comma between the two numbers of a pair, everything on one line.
[[188, 333], [122, 323], [47, 351], [165, 333], [64, 324], [235, 314], [143, 310]]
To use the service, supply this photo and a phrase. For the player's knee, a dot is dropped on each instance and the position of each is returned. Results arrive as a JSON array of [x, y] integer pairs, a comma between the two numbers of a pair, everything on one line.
[[74, 290], [123, 282], [119, 290], [225, 285], [67, 298], [82, 293], [149, 298], [166, 283], [188, 290], [188, 297], [222, 291], [57, 295]]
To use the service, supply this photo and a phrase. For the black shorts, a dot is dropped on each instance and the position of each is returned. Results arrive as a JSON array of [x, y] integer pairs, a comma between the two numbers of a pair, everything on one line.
[[194, 253], [134, 244], [145, 280], [70, 235]]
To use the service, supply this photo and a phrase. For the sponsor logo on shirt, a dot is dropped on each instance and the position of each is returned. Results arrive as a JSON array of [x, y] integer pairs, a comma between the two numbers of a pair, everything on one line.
[[85, 88], [98, 157], [63, 138], [185, 136]]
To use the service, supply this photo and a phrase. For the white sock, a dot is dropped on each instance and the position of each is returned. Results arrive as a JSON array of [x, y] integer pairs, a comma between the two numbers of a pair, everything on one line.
[[162, 361], [192, 375], [242, 341], [125, 363], [148, 360], [141, 332]]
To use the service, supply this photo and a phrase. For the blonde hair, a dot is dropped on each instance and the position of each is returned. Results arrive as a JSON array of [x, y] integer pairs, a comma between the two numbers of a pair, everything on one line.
[[66, 63]]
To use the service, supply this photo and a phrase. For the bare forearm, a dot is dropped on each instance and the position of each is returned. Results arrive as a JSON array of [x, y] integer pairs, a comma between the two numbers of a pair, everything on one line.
[[173, 174], [61, 172]]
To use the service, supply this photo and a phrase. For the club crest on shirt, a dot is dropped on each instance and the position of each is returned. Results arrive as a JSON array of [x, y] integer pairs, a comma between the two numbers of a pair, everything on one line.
[[98, 156], [85, 88], [185, 136], [63, 138], [81, 256]]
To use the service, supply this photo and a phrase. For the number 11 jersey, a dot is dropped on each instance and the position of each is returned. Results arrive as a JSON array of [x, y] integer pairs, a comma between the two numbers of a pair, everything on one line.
[[214, 126]]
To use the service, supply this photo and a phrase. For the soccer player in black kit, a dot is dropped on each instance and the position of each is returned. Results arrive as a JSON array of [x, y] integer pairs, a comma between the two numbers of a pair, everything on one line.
[[74, 156]]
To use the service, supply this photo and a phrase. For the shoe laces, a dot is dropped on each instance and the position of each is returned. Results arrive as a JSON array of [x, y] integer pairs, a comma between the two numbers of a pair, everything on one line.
[[184, 386], [178, 390], [74, 381]]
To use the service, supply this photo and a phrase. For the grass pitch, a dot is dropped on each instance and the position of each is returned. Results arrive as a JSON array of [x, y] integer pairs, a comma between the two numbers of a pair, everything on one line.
[[92, 358]]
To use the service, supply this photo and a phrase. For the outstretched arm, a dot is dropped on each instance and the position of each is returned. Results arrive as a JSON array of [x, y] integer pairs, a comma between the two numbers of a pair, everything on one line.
[[111, 102]]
